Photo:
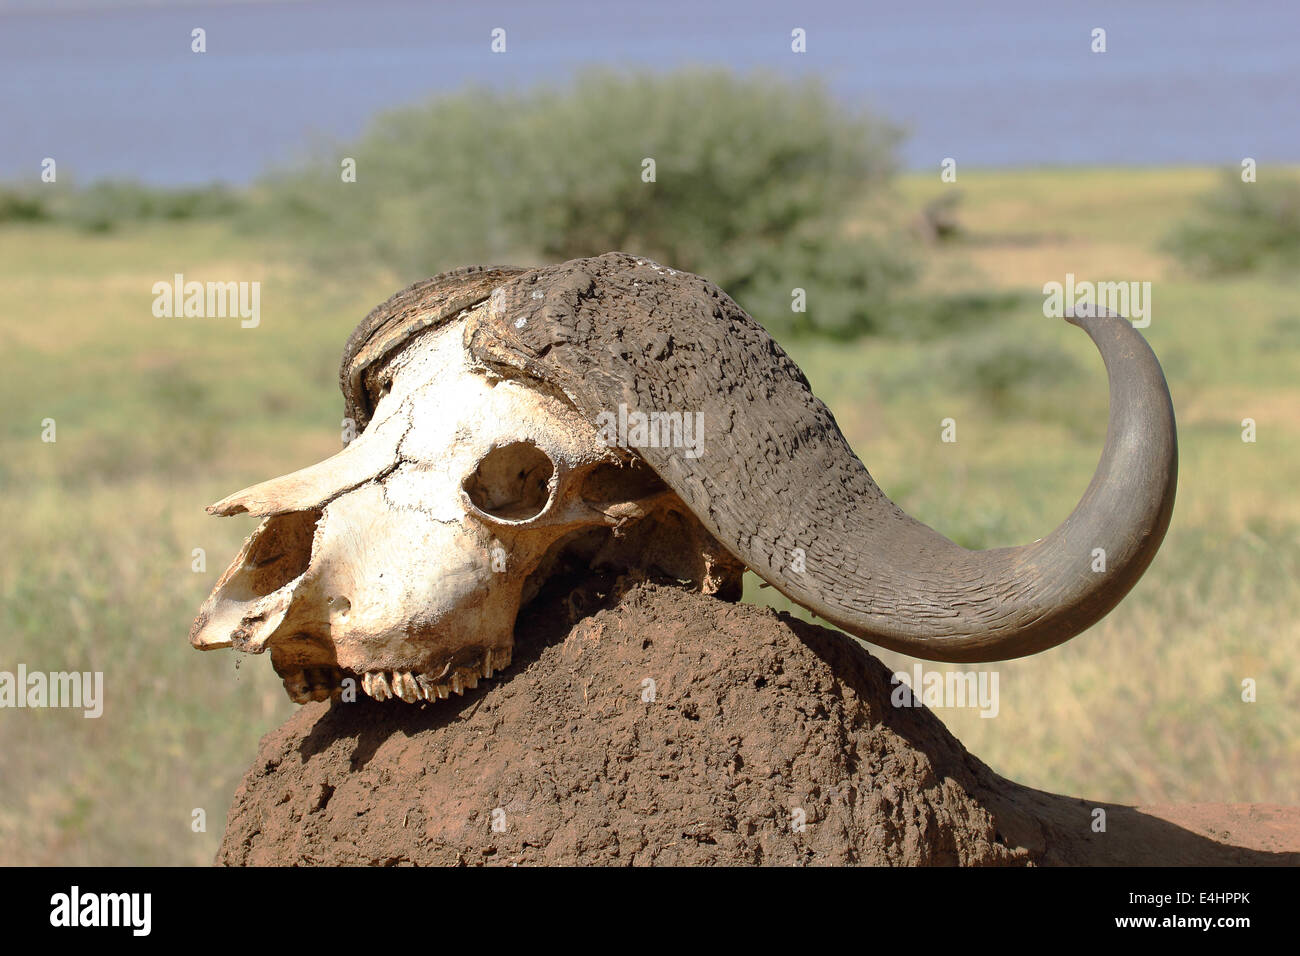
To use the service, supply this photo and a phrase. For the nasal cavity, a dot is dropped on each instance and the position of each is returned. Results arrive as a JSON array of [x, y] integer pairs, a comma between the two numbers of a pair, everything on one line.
[[511, 482], [282, 551]]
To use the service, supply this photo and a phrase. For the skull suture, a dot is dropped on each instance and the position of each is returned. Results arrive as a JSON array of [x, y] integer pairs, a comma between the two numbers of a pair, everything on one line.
[[403, 560], [480, 476]]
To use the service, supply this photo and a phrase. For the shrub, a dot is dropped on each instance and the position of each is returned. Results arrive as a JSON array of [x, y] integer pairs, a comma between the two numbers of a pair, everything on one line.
[[22, 205], [106, 204], [1001, 370], [754, 183], [1240, 227]]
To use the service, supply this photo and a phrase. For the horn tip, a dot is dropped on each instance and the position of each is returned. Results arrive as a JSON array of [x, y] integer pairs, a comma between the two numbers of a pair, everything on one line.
[[1078, 314]]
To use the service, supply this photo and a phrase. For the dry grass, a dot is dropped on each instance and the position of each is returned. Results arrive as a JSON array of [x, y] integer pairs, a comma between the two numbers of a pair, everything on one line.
[[157, 417]]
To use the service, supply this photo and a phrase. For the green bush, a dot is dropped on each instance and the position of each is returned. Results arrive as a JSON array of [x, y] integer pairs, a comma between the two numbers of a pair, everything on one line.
[[1002, 370], [106, 204], [935, 316], [754, 183], [22, 205], [1241, 227]]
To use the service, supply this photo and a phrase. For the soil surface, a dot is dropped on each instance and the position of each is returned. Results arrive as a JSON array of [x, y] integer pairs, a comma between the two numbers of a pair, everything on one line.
[[762, 740]]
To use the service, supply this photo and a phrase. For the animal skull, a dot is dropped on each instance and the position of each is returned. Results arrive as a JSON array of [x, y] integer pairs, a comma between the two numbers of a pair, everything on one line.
[[480, 475], [404, 559]]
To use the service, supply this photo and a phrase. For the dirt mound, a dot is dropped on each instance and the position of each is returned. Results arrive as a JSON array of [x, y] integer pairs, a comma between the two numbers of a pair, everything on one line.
[[667, 728]]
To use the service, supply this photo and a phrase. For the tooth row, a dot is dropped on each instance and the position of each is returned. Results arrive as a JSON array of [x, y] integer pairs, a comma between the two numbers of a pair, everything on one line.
[[411, 686], [317, 683]]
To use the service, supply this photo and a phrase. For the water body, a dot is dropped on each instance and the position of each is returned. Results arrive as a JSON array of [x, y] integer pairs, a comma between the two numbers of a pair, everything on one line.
[[111, 88]]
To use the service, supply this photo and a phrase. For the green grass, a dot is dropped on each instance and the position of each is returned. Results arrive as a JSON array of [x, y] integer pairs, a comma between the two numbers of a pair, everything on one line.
[[158, 417]]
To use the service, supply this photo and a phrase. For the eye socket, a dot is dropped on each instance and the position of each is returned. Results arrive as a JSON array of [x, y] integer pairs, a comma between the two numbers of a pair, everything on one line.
[[512, 482]]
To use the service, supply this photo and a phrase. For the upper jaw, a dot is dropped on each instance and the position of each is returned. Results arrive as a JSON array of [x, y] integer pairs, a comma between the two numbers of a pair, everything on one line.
[[306, 681]]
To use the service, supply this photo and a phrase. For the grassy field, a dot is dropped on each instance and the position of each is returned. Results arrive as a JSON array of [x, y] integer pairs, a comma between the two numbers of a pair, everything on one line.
[[157, 417]]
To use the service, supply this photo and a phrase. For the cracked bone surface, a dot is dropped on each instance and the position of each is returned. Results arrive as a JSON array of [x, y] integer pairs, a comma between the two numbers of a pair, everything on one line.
[[402, 561]]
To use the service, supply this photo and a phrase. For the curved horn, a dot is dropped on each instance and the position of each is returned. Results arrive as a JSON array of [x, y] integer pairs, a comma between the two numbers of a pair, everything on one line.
[[391, 325], [776, 474]]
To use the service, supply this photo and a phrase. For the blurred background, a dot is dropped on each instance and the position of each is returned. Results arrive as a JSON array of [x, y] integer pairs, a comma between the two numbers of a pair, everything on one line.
[[921, 170]]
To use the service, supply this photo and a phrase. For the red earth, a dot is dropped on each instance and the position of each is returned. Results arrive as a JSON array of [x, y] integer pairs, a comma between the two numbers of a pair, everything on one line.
[[765, 741]]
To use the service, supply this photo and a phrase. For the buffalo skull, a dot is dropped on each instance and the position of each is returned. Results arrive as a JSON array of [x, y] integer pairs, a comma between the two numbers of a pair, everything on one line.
[[493, 458]]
